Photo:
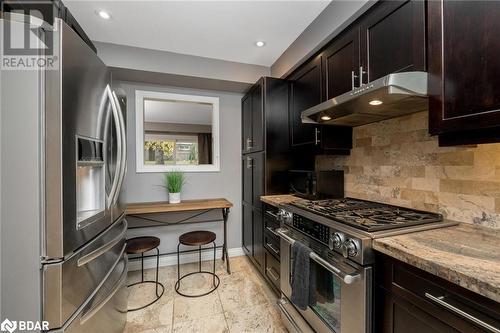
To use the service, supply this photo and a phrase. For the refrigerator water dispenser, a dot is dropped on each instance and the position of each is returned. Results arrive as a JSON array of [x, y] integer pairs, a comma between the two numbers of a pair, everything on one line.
[[90, 197]]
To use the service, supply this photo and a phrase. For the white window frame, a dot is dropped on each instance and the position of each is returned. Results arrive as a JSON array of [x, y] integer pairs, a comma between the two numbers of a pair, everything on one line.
[[140, 96]]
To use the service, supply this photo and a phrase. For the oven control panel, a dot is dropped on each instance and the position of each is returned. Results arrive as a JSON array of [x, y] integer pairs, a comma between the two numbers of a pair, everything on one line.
[[313, 229], [344, 244]]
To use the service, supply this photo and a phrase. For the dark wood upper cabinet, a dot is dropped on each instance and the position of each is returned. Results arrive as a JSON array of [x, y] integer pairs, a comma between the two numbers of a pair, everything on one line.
[[247, 179], [246, 123], [253, 178], [464, 68], [277, 143], [306, 91], [252, 139], [392, 37], [389, 38], [341, 64], [257, 118], [258, 168]]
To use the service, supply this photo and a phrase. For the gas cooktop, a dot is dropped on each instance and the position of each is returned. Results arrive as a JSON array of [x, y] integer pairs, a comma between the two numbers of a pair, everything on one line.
[[367, 215]]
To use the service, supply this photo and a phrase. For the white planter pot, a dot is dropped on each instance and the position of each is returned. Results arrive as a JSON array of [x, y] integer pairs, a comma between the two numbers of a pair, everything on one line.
[[174, 198]]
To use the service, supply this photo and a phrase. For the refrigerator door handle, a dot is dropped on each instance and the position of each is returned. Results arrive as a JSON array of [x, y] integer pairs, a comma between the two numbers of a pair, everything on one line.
[[123, 162], [103, 249], [99, 306], [117, 119]]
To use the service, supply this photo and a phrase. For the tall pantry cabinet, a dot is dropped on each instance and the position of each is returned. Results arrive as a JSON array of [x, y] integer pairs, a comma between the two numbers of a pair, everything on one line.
[[265, 157]]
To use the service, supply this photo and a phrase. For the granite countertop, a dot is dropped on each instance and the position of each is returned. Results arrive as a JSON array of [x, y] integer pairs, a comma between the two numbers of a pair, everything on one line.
[[279, 200], [464, 254]]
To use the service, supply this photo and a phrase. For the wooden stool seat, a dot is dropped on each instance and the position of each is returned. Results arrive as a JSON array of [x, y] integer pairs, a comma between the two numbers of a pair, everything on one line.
[[197, 238], [142, 244]]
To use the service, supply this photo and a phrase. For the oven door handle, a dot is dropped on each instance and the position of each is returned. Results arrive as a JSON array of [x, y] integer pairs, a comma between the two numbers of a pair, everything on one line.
[[344, 276]]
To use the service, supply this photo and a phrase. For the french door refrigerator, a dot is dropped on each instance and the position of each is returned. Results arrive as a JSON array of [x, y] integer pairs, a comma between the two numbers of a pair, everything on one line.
[[74, 136]]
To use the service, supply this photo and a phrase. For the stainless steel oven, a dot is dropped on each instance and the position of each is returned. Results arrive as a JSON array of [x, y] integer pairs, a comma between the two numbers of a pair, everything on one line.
[[340, 233], [343, 289]]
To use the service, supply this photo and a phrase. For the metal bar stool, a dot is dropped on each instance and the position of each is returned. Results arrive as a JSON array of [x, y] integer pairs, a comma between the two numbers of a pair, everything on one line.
[[196, 238], [141, 245]]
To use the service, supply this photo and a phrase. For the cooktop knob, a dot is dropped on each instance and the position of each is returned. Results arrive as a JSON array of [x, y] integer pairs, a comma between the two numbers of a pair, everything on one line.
[[349, 248], [336, 240]]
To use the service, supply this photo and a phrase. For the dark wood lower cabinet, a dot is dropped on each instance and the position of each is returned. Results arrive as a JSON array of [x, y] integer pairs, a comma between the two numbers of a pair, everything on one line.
[[258, 238], [404, 304], [253, 234], [400, 315], [253, 238], [260, 244], [247, 228]]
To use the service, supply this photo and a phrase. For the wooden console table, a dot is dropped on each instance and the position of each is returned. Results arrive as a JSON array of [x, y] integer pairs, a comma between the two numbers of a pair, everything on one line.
[[155, 214]]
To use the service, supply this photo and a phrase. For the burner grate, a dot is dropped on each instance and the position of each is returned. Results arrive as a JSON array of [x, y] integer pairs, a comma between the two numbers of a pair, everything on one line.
[[367, 215]]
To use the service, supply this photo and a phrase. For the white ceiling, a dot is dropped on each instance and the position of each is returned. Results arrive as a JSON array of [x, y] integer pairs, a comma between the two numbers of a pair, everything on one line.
[[176, 112], [225, 30]]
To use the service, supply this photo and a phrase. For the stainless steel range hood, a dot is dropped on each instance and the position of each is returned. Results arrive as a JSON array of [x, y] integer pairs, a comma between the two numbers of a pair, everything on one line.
[[388, 97]]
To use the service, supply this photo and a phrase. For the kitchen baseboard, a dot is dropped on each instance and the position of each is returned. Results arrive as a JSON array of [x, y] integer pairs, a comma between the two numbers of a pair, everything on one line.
[[171, 259]]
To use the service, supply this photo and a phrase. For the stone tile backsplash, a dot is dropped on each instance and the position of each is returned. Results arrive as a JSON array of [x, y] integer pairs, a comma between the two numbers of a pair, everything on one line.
[[397, 162]]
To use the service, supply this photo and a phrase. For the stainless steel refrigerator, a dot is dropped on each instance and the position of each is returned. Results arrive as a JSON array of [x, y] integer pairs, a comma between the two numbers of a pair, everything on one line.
[[63, 154]]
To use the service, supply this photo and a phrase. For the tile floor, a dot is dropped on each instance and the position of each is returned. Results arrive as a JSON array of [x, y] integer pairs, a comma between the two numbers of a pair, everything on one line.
[[242, 303]]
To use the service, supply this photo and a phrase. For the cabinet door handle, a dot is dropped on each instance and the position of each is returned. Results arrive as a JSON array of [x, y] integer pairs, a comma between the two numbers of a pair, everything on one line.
[[249, 143], [361, 72], [249, 163], [440, 300], [316, 136], [270, 246], [353, 80], [272, 274]]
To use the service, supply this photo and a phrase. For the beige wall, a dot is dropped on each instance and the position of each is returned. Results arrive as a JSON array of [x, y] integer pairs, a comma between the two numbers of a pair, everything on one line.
[[397, 162]]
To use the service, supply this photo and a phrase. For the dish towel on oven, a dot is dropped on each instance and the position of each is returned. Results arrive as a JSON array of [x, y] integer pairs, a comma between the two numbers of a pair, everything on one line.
[[302, 291]]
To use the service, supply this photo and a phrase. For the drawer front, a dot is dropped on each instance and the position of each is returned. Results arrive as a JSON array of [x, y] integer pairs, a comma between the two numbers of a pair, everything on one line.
[[107, 310], [271, 215], [272, 269], [457, 307], [272, 243], [270, 225], [67, 285]]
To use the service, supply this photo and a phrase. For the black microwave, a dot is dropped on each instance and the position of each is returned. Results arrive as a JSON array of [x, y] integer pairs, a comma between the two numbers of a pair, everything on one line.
[[316, 185]]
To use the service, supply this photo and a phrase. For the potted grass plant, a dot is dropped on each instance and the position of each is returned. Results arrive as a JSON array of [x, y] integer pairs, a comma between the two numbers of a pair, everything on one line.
[[174, 181]]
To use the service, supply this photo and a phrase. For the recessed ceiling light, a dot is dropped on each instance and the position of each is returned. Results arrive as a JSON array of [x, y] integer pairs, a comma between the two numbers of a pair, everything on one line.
[[375, 102], [260, 43], [326, 118], [103, 14]]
